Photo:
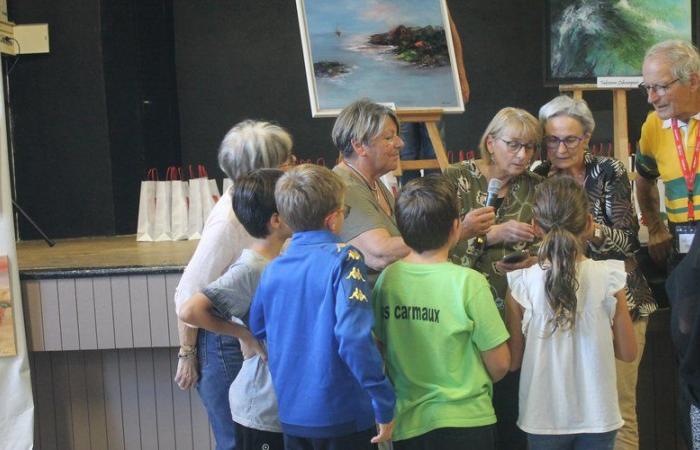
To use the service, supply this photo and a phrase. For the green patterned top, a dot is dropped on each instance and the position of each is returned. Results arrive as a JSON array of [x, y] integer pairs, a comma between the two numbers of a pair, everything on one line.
[[472, 188]]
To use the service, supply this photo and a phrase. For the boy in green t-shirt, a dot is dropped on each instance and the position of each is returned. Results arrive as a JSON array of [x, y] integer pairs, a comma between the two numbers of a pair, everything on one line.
[[443, 339]]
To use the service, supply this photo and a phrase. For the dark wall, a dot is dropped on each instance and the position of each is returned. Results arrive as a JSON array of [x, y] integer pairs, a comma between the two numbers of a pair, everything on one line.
[[131, 84], [59, 132], [89, 117], [231, 67]]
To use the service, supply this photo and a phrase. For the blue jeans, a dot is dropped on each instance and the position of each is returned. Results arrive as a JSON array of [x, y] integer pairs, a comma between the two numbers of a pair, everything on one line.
[[417, 145], [581, 441], [220, 359]]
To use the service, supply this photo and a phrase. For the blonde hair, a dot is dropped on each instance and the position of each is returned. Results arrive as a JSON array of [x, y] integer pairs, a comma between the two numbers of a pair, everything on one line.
[[561, 210], [306, 194], [515, 119]]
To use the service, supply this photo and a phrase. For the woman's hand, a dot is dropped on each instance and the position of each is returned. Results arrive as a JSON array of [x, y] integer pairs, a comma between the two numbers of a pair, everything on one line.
[[478, 222], [504, 267], [186, 375], [511, 231]]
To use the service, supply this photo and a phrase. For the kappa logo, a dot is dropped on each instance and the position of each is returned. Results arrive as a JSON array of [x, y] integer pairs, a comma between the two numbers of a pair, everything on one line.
[[353, 255], [358, 295], [355, 274]]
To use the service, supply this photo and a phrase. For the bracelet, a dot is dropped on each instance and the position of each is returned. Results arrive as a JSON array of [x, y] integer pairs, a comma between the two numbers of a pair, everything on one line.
[[187, 351]]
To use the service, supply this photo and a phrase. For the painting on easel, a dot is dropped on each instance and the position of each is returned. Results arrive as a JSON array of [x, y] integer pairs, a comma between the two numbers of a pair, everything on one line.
[[8, 346], [391, 51], [586, 39]]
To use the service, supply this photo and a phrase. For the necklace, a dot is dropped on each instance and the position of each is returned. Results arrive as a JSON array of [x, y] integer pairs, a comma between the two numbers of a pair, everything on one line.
[[362, 177]]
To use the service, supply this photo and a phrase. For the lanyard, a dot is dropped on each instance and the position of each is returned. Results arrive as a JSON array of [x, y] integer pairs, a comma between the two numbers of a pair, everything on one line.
[[688, 173]]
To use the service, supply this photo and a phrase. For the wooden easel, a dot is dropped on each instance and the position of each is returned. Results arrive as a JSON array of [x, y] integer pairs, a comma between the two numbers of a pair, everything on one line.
[[430, 117], [620, 135]]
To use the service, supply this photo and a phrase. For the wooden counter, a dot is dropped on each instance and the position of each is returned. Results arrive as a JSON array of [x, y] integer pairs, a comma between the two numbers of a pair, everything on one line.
[[106, 255]]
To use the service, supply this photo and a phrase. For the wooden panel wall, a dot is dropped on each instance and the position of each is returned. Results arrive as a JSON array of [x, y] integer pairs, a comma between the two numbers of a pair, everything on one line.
[[126, 311], [115, 400]]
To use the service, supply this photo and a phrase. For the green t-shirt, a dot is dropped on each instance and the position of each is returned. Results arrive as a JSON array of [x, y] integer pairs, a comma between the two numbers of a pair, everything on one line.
[[434, 320]]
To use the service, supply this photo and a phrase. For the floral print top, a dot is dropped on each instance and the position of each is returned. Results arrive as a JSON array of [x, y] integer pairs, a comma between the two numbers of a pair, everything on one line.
[[472, 188], [609, 195]]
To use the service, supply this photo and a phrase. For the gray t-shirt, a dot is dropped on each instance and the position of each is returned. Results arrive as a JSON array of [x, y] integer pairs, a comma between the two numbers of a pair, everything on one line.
[[251, 395], [365, 212]]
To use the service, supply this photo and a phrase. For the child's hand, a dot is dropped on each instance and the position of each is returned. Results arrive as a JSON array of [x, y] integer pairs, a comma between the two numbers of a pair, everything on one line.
[[384, 435], [251, 347]]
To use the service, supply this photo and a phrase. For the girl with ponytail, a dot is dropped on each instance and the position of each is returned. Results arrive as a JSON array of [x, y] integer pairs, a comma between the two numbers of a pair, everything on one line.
[[568, 320]]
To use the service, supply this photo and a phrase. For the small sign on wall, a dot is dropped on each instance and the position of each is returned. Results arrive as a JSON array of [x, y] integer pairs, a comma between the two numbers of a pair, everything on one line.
[[8, 345]]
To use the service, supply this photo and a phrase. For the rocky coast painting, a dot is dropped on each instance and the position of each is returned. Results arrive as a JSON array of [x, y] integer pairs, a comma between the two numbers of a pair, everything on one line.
[[7, 322], [391, 51], [596, 38]]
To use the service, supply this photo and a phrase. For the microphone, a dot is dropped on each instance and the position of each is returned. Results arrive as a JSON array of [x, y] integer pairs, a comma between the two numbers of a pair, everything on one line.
[[491, 198], [494, 186]]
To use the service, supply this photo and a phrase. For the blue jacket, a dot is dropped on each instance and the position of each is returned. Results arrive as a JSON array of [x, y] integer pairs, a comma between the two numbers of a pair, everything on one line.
[[313, 307]]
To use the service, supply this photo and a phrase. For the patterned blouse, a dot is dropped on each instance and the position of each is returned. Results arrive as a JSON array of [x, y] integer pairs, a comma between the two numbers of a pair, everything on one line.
[[472, 188], [609, 194]]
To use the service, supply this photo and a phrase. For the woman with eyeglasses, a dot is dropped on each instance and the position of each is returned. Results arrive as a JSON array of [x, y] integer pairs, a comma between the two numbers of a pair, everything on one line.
[[568, 125], [507, 147]]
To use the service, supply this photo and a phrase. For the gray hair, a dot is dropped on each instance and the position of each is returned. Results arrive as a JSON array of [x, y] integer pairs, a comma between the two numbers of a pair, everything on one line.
[[569, 107], [306, 194], [509, 118], [251, 145], [360, 121], [681, 55]]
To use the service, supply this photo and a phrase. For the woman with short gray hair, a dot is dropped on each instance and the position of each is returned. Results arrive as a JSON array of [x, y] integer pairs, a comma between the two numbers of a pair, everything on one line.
[[568, 125], [367, 135], [249, 145]]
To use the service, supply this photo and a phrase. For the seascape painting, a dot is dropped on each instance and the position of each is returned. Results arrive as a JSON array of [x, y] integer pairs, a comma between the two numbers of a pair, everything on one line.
[[7, 321], [600, 38], [391, 51]]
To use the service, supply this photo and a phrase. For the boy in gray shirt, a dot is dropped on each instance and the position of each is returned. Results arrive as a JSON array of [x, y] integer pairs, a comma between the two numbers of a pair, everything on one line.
[[222, 307]]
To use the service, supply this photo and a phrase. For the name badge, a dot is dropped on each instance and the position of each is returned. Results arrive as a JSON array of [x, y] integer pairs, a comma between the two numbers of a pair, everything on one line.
[[684, 238]]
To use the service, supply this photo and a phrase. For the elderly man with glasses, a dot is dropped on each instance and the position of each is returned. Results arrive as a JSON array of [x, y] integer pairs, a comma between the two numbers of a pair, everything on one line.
[[670, 148]]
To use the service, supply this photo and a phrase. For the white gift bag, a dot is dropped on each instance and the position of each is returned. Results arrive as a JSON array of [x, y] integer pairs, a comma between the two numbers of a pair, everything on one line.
[[179, 208], [161, 228], [145, 230], [195, 218]]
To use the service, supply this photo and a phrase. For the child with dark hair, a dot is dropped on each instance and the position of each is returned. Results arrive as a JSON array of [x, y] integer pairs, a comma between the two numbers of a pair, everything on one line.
[[313, 308], [222, 307], [568, 320], [443, 338]]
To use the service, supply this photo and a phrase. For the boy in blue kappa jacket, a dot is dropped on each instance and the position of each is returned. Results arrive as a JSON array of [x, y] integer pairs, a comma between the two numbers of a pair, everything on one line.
[[313, 307]]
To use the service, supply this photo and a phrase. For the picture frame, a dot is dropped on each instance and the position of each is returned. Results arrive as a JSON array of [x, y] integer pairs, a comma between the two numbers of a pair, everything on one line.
[[584, 40], [392, 51]]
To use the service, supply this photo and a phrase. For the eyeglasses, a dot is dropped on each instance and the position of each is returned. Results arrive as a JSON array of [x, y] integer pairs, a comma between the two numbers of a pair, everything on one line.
[[570, 142], [659, 89], [346, 211], [515, 146]]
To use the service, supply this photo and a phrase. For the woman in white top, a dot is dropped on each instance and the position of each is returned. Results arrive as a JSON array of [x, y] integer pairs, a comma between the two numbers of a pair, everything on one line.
[[209, 360], [568, 321]]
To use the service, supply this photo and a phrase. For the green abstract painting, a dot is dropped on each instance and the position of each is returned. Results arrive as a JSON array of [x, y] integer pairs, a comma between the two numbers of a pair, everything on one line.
[[596, 38]]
